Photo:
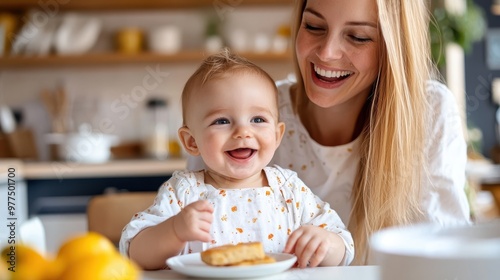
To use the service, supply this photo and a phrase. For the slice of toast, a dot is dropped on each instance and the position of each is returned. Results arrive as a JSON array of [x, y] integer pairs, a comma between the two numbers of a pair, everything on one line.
[[234, 254], [266, 259]]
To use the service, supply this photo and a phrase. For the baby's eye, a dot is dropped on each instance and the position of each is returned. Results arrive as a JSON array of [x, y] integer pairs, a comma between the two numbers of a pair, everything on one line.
[[221, 121], [258, 120]]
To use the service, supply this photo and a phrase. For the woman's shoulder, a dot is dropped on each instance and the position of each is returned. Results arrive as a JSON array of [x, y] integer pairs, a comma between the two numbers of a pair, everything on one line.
[[284, 90], [284, 101], [443, 104], [440, 95], [444, 121]]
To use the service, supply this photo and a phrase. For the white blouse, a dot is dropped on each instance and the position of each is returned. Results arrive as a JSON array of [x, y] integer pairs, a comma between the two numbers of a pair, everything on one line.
[[330, 171]]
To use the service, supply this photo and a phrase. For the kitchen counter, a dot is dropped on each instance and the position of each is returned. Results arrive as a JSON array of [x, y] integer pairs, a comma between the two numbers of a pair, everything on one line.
[[115, 168], [65, 187]]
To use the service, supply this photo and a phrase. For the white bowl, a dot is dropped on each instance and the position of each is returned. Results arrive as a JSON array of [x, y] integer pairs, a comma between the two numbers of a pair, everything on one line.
[[84, 148], [428, 251], [77, 34]]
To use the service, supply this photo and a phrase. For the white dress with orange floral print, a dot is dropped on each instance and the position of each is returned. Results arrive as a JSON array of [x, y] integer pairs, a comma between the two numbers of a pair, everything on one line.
[[268, 214]]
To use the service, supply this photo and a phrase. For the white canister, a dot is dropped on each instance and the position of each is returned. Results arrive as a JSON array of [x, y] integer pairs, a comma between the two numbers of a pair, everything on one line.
[[238, 40], [165, 39], [213, 44], [262, 43]]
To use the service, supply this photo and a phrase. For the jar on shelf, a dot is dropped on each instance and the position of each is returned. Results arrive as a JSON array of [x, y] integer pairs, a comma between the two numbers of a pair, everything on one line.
[[156, 140], [130, 40]]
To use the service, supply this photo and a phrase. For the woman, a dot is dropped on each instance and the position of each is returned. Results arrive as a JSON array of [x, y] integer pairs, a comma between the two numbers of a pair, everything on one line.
[[368, 129]]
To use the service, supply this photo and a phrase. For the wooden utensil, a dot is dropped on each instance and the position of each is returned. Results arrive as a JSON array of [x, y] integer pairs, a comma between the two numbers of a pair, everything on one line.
[[56, 104]]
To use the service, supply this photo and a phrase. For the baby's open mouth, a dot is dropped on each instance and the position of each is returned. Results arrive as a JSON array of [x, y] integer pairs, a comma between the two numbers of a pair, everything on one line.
[[241, 153]]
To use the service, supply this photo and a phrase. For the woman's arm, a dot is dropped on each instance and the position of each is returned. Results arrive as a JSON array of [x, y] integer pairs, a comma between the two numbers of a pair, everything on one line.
[[443, 198]]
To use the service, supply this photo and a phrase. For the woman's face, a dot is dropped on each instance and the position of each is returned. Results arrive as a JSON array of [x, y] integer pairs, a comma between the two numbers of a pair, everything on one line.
[[337, 49]]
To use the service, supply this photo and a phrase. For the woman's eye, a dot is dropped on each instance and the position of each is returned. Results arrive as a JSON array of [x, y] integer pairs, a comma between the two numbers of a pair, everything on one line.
[[258, 120], [221, 121], [312, 27], [360, 39]]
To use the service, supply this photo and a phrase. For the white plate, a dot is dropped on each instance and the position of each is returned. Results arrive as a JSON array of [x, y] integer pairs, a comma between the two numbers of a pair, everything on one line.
[[192, 265]]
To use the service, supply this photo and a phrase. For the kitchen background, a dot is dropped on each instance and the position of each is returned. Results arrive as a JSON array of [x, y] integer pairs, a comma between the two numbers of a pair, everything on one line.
[[106, 71], [113, 90], [108, 81], [83, 75], [481, 72]]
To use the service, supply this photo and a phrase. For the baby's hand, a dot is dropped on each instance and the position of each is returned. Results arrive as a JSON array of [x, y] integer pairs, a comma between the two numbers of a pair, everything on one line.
[[311, 245], [193, 222]]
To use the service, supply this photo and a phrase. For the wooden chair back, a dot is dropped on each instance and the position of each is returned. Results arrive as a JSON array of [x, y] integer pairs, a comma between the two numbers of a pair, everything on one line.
[[109, 213]]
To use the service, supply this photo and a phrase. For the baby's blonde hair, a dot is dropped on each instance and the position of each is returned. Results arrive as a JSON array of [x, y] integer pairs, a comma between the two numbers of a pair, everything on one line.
[[220, 65]]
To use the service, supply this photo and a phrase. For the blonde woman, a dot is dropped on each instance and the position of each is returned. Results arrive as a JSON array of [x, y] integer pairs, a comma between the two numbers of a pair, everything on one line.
[[369, 129]]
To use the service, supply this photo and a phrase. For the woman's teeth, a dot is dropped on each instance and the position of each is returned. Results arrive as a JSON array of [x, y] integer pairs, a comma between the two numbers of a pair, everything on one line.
[[331, 74]]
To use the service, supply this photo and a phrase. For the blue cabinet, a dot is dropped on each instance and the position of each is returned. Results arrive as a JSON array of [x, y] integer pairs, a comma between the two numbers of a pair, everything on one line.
[[54, 196]]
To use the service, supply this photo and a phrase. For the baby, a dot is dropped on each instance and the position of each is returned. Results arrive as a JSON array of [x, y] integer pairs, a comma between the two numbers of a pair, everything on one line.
[[230, 119]]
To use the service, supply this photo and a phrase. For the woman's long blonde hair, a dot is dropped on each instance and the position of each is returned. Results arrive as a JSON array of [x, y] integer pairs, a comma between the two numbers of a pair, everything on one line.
[[386, 188]]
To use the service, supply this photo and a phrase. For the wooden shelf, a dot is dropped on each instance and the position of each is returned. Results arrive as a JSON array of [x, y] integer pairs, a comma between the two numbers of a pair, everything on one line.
[[93, 59], [23, 62], [112, 168], [21, 5]]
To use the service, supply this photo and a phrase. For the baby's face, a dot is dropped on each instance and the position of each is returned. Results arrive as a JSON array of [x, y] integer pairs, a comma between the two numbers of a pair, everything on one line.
[[234, 122]]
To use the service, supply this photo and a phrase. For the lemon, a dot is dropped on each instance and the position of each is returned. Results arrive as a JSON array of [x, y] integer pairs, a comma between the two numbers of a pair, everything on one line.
[[101, 267], [24, 262], [84, 245], [93, 256], [85, 256], [3, 269]]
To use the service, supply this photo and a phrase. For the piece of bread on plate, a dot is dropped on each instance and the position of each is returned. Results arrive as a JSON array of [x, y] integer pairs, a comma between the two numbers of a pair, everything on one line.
[[250, 253], [266, 259]]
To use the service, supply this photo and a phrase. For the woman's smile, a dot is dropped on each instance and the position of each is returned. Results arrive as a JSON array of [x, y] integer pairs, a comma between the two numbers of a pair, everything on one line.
[[330, 74], [329, 78]]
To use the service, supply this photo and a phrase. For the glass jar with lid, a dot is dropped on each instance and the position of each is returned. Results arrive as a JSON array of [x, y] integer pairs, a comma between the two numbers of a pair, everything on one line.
[[156, 138]]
